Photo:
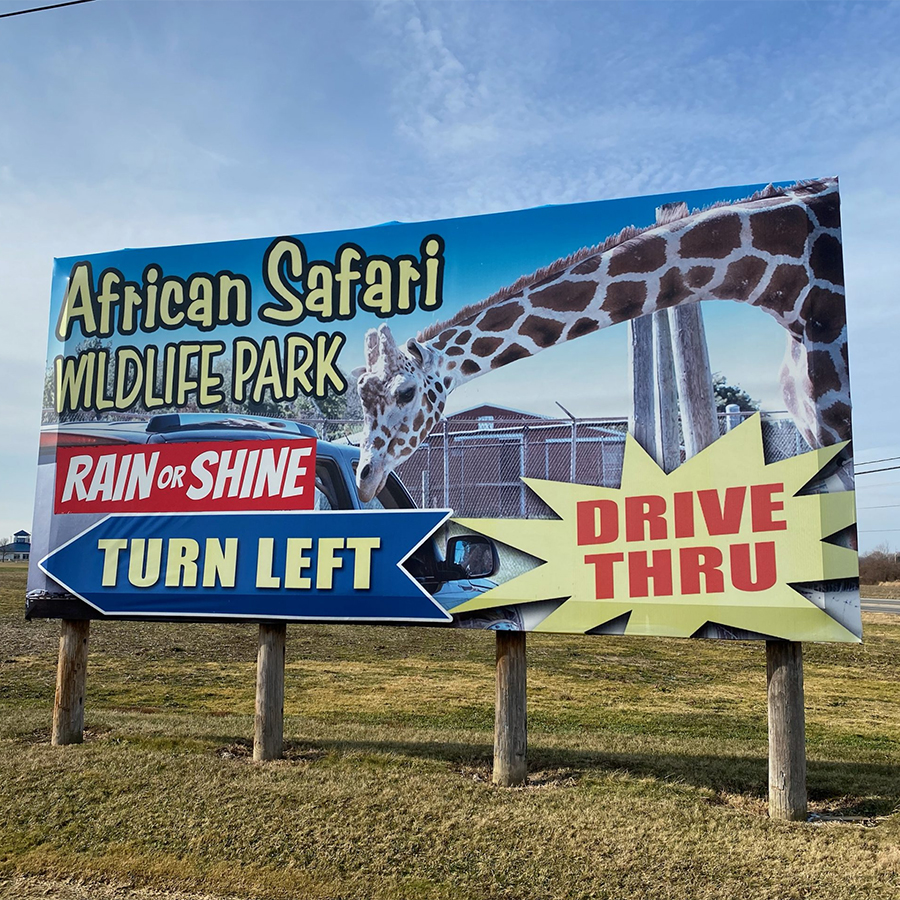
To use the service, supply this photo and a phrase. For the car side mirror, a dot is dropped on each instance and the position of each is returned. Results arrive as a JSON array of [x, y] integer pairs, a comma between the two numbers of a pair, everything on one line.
[[476, 555]]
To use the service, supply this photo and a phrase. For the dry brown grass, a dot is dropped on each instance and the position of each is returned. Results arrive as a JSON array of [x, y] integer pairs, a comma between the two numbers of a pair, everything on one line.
[[648, 770], [886, 590]]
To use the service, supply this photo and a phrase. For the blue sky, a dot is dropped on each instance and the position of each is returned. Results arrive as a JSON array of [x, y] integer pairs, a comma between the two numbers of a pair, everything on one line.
[[132, 124]]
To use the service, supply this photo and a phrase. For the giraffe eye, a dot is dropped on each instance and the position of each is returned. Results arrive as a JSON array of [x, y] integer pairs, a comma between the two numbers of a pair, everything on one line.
[[406, 395]]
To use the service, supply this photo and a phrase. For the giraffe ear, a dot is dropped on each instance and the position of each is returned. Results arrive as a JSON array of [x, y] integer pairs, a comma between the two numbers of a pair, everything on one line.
[[357, 373], [371, 341], [419, 352]]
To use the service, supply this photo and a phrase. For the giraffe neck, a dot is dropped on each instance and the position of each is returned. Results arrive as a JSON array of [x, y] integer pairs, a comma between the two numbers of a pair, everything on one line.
[[779, 251]]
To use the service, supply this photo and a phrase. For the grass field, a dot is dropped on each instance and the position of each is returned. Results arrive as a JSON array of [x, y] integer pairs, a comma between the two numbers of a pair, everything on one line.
[[887, 590], [648, 763]]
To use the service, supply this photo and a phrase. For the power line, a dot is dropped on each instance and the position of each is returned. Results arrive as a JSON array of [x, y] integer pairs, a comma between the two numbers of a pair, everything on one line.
[[22, 12], [873, 471], [888, 506], [872, 462]]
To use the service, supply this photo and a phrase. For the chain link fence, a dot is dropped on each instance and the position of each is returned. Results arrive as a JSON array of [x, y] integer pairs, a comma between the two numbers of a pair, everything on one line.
[[476, 466]]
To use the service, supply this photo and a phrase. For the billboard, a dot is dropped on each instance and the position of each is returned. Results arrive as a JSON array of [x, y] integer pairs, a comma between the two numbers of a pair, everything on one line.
[[365, 426]]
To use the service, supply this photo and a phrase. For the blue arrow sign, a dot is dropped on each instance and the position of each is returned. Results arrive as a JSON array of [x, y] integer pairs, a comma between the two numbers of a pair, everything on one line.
[[295, 565]]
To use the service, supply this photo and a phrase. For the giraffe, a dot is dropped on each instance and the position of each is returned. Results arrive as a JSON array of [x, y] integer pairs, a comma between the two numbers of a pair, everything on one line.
[[778, 250]]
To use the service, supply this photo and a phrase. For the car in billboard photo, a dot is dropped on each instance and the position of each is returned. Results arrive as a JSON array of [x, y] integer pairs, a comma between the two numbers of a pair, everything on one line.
[[452, 579]]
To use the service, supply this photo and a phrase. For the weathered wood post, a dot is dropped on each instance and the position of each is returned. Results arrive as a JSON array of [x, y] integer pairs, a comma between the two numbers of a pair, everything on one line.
[[668, 437], [787, 730], [71, 677], [268, 737], [699, 421], [640, 369], [510, 712]]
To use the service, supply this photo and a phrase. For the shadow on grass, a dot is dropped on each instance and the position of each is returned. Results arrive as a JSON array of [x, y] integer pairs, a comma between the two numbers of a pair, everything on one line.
[[838, 788]]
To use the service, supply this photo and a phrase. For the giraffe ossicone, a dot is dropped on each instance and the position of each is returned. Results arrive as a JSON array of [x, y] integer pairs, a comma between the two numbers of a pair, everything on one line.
[[778, 250]]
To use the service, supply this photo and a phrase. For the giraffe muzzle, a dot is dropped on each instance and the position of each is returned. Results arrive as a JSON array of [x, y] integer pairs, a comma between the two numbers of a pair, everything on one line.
[[370, 479]]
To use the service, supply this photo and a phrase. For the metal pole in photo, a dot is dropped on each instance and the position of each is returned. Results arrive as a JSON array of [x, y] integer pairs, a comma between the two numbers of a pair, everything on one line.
[[510, 713], [71, 677], [787, 731], [268, 737]]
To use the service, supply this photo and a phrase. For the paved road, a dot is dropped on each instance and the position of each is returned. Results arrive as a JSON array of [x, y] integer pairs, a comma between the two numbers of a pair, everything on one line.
[[881, 606]]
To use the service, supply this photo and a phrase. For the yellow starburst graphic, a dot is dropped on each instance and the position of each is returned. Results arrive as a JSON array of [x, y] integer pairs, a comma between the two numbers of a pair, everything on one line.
[[719, 540]]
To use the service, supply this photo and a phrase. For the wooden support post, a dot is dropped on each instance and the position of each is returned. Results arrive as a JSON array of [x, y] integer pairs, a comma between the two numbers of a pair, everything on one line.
[[71, 676], [668, 435], [510, 714], [699, 420], [787, 730], [640, 368], [268, 737]]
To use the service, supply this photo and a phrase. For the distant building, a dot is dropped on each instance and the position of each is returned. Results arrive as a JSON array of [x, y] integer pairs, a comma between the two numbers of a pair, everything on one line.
[[18, 549]]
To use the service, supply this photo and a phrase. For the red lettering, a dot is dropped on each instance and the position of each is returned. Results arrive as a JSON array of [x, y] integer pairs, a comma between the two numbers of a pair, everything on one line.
[[598, 522], [741, 576], [648, 510], [762, 506], [640, 573], [604, 582], [724, 519], [683, 508], [697, 561]]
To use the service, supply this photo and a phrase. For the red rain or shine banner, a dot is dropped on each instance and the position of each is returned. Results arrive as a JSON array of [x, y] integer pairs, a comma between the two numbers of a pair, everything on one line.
[[186, 477]]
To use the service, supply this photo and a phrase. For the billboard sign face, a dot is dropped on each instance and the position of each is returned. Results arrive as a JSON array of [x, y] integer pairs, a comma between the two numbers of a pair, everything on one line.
[[245, 429]]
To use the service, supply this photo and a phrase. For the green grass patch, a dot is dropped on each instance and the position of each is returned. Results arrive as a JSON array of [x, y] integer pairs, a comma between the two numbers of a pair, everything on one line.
[[647, 760]]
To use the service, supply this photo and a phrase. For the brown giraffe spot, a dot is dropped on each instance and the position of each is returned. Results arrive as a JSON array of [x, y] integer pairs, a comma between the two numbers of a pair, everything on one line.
[[582, 326], [451, 364], [406, 451], [781, 232], [844, 354], [386, 431], [822, 372], [837, 416], [825, 260], [414, 440], [378, 443], [443, 338], [544, 332], [827, 210], [470, 367], [697, 276], [510, 354], [501, 318], [463, 337], [672, 289], [432, 396], [586, 266], [454, 351], [485, 346], [824, 314], [715, 238], [625, 300], [418, 420], [637, 256], [447, 381], [785, 286], [439, 387], [741, 278], [565, 297]]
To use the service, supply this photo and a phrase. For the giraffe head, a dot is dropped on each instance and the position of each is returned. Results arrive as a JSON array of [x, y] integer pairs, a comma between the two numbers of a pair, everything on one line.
[[402, 397]]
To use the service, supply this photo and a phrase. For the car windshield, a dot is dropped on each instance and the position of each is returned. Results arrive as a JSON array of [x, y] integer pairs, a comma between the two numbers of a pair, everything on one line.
[[392, 496]]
